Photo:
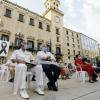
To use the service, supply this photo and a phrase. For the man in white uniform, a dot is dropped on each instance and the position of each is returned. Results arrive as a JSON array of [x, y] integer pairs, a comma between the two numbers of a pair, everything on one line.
[[49, 65], [22, 56]]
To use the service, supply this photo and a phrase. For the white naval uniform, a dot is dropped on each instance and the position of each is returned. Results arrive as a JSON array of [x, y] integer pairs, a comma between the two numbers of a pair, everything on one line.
[[21, 69], [43, 55]]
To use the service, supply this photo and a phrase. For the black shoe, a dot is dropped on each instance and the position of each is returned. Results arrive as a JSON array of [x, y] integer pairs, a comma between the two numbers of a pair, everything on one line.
[[95, 80], [91, 81], [33, 78], [55, 88], [11, 80], [49, 86]]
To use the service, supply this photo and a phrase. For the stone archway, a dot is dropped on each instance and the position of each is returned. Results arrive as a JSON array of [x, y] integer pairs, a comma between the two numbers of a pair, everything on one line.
[[5, 31]]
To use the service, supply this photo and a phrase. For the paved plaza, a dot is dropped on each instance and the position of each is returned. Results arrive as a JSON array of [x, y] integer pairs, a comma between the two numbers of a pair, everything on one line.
[[70, 89]]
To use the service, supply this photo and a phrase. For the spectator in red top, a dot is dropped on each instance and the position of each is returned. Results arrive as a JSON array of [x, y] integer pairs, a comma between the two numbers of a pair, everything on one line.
[[85, 66]]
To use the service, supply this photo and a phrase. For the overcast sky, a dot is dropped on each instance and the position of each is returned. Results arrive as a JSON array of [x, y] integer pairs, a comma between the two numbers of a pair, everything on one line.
[[79, 15]]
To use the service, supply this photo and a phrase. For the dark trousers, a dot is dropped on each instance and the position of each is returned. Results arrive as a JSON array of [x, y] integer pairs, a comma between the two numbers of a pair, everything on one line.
[[97, 69], [52, 72], [94, 76]]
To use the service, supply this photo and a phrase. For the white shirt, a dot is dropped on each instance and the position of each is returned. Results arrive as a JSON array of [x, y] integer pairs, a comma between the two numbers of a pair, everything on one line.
[[41, 55], [22, 55]]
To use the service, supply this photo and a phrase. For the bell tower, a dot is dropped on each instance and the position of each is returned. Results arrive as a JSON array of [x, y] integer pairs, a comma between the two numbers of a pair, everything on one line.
[[54, 4], [55, 15]]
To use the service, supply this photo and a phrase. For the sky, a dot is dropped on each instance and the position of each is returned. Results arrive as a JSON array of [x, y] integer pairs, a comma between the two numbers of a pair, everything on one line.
[[79, 15]]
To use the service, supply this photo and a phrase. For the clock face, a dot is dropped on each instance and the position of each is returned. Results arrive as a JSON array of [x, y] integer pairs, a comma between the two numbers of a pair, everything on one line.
[[57, 19]]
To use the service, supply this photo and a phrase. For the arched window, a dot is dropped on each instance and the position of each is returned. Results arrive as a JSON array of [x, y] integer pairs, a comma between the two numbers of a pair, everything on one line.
[[4, 37], [18, 39], [30, 45], [58, 50]]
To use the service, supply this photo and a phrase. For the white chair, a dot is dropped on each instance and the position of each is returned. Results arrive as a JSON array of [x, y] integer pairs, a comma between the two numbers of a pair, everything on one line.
[[82, 75], [1, 74], [4, 73], [29, 76]]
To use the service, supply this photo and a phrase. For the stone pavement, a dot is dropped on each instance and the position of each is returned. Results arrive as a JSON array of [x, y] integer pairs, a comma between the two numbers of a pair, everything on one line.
[[70, 89]]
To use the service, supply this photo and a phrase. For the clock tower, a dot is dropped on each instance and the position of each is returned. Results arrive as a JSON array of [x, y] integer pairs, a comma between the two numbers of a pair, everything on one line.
[[55, 15], [54, 4]]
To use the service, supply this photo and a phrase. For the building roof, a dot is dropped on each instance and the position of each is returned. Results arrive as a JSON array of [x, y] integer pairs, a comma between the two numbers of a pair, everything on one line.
[[58, 11], [89, 37], [71, 30], [24, 9]]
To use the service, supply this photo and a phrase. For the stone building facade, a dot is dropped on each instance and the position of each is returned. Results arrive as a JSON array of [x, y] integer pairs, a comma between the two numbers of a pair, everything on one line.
[[17, 23]]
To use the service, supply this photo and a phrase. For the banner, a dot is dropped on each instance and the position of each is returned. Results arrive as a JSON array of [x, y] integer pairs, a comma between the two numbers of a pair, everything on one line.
[[4, 48]]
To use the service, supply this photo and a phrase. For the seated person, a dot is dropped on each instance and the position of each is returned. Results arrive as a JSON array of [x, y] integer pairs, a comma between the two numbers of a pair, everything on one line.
[[22, 57], [65, 72], [89, 65], [81, 64], [71, 67], [49, 65], [11, 68]]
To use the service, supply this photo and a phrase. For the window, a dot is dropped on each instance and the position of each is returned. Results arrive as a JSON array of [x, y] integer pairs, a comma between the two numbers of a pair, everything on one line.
[[30, 45], [18, 40], [78, 46], [39, 46], [67, 38], [68, 51], [67, 44], [57, 39], [58, 50], [74, 52], [74, 45], [5, 37], [67, 32], [78, 41], [57, 31], [57, 5], [48, 28], [77, 36], [49, 48], [40, 25], [31, 22], [72, 34], [21, 18], [78, 52], [73, 39], [69, 57], [8, 13]]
